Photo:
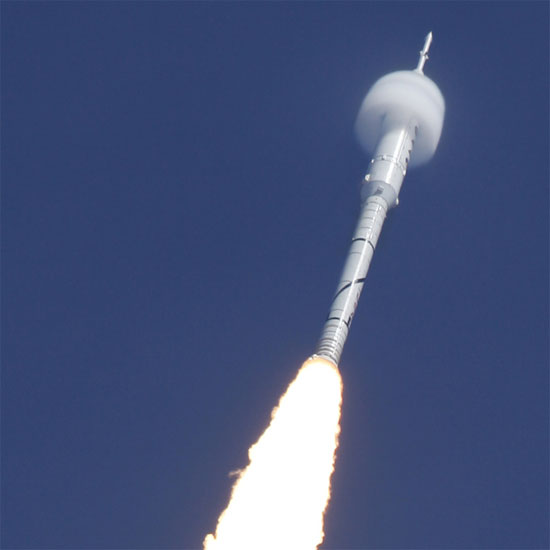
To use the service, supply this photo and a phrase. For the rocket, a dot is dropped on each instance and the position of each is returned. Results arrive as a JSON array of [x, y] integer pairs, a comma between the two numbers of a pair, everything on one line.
[[400, 122]]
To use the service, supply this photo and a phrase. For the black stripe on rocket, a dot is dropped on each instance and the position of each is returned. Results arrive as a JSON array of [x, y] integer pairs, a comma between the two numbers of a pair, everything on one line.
[[363, 239], [345, 287], [362, 280]]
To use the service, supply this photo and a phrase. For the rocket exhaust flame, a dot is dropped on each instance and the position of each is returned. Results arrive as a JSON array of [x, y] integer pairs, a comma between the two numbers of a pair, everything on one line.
[[280, 498]]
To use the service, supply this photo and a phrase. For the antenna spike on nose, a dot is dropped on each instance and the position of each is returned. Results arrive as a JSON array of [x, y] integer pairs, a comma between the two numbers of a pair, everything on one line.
[[424, 53]]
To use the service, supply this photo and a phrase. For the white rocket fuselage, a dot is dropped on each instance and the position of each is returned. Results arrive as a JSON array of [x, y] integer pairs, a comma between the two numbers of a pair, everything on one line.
[[380, 192], [402, 109]]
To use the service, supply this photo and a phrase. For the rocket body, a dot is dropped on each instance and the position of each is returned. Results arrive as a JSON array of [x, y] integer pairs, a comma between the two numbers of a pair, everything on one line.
[[380, 192], [402, 111], [348, 291]]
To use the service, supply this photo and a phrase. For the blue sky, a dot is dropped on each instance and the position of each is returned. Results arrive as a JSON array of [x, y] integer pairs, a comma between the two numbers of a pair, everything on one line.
[[180, 182]]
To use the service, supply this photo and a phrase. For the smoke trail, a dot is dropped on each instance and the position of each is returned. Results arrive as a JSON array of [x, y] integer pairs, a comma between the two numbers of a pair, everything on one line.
[[279, 500]]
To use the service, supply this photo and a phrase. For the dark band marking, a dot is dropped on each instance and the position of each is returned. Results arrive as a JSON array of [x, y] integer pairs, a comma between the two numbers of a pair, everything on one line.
[[342, 290], [347, 286], [339, 319], [358, 239]]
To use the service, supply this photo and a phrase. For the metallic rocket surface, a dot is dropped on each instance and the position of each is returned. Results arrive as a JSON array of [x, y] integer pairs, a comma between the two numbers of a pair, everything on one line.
[[401, 112]]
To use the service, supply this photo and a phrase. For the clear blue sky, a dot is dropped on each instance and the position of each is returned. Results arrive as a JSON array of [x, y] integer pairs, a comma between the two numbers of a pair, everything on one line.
[[179, 185]]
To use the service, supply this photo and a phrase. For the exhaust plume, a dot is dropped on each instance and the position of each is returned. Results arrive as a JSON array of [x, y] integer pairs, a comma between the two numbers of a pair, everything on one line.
[[279, 500]]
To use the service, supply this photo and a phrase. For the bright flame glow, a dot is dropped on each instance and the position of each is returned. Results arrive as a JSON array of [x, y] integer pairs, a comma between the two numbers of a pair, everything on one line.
[[279, 500]]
